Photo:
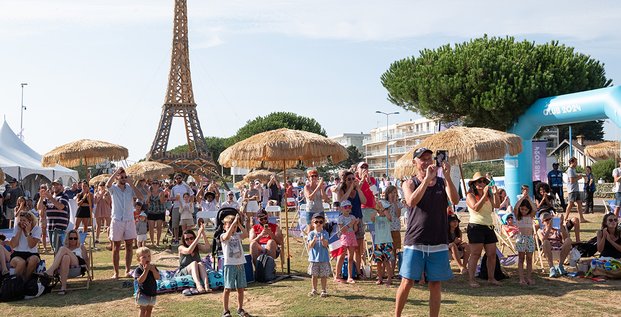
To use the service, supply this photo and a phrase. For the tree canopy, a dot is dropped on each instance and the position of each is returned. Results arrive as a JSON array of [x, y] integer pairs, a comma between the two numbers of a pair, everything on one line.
[[489, 82]]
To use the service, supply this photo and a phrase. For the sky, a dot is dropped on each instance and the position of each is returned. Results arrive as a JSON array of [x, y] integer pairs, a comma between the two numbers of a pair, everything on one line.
[[98, 69]]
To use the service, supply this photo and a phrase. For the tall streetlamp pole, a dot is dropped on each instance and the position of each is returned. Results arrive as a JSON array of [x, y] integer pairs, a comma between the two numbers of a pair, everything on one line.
[[21, 120], [387, 114]]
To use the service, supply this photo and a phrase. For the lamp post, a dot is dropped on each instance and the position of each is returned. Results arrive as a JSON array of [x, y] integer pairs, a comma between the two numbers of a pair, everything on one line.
[[387, 114], [21, 120]]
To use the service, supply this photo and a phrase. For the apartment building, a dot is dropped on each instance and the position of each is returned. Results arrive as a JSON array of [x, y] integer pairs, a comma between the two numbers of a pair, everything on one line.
[[355, 139]]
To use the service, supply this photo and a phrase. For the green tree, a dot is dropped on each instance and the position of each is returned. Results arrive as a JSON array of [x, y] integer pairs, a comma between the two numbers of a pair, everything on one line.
[[329, 169], [603, 169], [277, 120], [592, 130], [489, 82]]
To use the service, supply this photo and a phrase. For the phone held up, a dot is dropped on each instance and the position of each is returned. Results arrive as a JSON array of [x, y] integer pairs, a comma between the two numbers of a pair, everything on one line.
[[441, 156]]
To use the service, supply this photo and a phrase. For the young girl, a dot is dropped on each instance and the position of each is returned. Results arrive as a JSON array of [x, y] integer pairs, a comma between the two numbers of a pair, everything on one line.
[[348, 225], [141, 229], [318, 258], [146, 274], [458, 248], [185, 212], [525, 243], [382, 248], [392, 196]]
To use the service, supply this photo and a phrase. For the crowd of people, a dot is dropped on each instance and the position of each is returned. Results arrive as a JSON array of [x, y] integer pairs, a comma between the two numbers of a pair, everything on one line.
[[136, 214]]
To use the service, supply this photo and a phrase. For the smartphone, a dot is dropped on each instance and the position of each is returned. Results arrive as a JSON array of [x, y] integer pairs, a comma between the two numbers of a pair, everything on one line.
[[441, 156]]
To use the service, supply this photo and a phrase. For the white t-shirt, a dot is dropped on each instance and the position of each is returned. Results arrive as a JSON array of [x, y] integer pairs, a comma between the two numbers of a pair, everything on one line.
[[232, 250], [186, 211], [23, 241], [179, 190], [232, 204], [616, 173]]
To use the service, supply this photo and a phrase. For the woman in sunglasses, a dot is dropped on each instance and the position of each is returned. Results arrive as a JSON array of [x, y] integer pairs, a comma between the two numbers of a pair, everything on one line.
[[190, 259], [26, 237], [609, 238], [70, 260]]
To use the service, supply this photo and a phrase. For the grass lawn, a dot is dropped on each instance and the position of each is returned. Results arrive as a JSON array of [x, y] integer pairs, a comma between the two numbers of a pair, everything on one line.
[[549, 297]]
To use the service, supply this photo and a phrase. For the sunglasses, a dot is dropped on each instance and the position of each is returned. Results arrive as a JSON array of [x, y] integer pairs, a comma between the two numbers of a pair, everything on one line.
[[479, 181], [263, 219], [546, 220], [314, 175], [613, 220], [189, 238], [318, 222], [350, 178], [73, 238], [123, 177], [364, 167], [23, 214]]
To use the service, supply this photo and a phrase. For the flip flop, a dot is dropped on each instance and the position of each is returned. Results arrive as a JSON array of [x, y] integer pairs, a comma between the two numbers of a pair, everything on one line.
[[62, 292], [187, 292]]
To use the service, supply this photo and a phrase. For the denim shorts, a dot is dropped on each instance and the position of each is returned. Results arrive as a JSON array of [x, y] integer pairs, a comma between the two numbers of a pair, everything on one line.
[[235, 276], [618, 199], [145, 300], [435, 265]]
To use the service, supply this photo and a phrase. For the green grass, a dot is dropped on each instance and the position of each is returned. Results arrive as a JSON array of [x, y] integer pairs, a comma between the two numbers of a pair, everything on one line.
[[549, 297]]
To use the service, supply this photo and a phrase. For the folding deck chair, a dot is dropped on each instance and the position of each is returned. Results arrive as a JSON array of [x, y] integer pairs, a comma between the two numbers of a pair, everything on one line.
[[539, 255], [89, 243]]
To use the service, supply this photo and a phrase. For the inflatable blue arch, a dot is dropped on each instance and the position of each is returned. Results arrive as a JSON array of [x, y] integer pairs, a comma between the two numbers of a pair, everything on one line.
[[598, 104]]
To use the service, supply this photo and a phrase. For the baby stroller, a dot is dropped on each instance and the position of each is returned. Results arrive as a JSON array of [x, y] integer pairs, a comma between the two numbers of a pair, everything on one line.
[[216, 245]]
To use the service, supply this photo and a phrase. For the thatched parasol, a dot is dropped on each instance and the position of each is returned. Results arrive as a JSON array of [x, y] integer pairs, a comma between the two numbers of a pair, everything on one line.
[[84, 152], [262, 175], [464, 145], [293, 172], [603, 151], [283, 148], [99, 178], [240, 185], [149, 170], [1, 177]]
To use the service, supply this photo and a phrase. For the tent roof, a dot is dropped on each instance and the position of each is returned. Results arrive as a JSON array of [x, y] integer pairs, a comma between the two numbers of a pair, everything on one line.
[[19, 160]]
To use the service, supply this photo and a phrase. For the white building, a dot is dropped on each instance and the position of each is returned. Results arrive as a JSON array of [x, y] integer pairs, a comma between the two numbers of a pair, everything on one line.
[[401, 138], [355, 139]]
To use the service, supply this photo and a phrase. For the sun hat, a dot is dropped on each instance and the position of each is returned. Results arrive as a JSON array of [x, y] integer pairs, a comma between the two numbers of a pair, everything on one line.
[[419, 152], [545, 216], [57, 181], [476, 177], [345, 203], [142, 214], [361, 164], [453, 217], [318, 215]]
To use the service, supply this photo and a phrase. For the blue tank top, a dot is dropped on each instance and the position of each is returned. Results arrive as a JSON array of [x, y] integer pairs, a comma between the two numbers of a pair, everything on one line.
[[356, 209]]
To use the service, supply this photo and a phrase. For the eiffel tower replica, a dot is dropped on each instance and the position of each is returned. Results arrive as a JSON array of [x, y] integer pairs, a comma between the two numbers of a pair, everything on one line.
[[179, 102]]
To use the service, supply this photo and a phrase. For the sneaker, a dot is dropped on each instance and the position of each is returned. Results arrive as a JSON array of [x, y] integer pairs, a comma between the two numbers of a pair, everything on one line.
[[561, 270], [242, 313], [324, 293], [553, 272], [313, 293]]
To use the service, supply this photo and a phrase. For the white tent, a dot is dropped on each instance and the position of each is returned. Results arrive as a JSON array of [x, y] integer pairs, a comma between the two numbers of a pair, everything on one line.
[[20, 161]]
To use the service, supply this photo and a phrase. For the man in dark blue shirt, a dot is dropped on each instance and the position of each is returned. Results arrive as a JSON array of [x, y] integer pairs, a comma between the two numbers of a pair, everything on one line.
[[555, 179]]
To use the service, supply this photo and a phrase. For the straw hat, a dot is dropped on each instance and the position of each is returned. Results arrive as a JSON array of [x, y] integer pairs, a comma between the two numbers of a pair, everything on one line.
[[476, 177]]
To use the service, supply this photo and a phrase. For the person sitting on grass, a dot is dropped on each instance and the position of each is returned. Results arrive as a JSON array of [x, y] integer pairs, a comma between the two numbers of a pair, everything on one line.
[[234, 261], [26, 237], [5, 255], [265, 237], [609, 237], [458, 248], [190, 259], [554, 239], [69, 260], [147, 275]]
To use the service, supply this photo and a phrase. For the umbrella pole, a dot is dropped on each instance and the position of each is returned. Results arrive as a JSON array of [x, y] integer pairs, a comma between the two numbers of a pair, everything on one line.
[[286, 221], [463, 182]]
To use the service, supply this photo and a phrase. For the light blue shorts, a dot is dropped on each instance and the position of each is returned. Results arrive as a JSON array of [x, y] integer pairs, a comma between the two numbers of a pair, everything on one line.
[[235, 276], [435, 265], [145, 300]]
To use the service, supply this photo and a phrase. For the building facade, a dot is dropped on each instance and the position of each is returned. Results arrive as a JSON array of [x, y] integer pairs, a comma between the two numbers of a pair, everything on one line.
[[395, 140], [355, 139]]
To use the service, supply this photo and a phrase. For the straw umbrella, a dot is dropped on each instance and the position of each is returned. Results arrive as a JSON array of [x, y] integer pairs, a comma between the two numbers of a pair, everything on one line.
[[149, 170], [603, 151], [293, 172], [283, 148], [262, 175], [465, 145], [99, 178]]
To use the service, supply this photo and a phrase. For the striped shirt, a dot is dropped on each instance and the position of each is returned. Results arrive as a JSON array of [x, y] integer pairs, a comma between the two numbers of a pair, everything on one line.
[[57, 218]]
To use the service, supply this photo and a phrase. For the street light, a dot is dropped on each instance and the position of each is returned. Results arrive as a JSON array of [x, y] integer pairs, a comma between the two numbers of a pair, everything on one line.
[[387, 114], [22, 108]]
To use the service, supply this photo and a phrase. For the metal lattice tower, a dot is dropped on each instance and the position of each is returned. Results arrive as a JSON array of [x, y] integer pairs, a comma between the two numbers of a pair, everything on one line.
[[179, 102]]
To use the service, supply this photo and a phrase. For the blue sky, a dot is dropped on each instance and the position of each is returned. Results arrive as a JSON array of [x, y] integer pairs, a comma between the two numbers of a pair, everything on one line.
[[98, 69]]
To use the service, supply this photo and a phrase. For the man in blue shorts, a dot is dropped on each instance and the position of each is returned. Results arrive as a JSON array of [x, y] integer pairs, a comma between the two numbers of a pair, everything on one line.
[[425, 250]]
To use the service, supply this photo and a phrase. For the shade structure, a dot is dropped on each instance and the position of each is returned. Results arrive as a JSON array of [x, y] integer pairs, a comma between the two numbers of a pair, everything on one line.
[[84, 152], [292, 172], [149, 170], [239, 185], [283, 149], [464, 145], [603, 151], [99, 178], [262, 175]]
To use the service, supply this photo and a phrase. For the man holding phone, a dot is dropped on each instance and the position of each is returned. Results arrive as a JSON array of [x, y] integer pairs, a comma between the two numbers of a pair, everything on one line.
[[265, 237]]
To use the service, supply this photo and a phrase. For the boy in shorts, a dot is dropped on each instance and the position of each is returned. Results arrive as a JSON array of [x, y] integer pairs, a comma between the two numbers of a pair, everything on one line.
[[234, 261], [146, 274]]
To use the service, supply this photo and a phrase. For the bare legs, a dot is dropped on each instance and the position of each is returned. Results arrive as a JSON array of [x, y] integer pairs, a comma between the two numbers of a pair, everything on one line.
[[63, 260], [240, 298], [578, 206], [475, 254], [435, 296], [25, 268], [116, 249], [199, 275], [100, 223], [82, 221]]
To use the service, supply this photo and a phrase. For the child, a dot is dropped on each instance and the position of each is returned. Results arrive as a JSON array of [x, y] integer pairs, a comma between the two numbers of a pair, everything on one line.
[[509, 226], [382, 247], [234, 261], [318, 257], [458, 248], [146, 274], [141, 229], [186, 220], [525, 243], [348, 225], [392, 195]]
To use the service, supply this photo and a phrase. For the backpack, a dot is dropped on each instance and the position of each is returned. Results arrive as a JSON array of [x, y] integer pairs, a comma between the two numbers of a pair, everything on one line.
[[587, 249], [498, 273], [12, 289], [265, 268]]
